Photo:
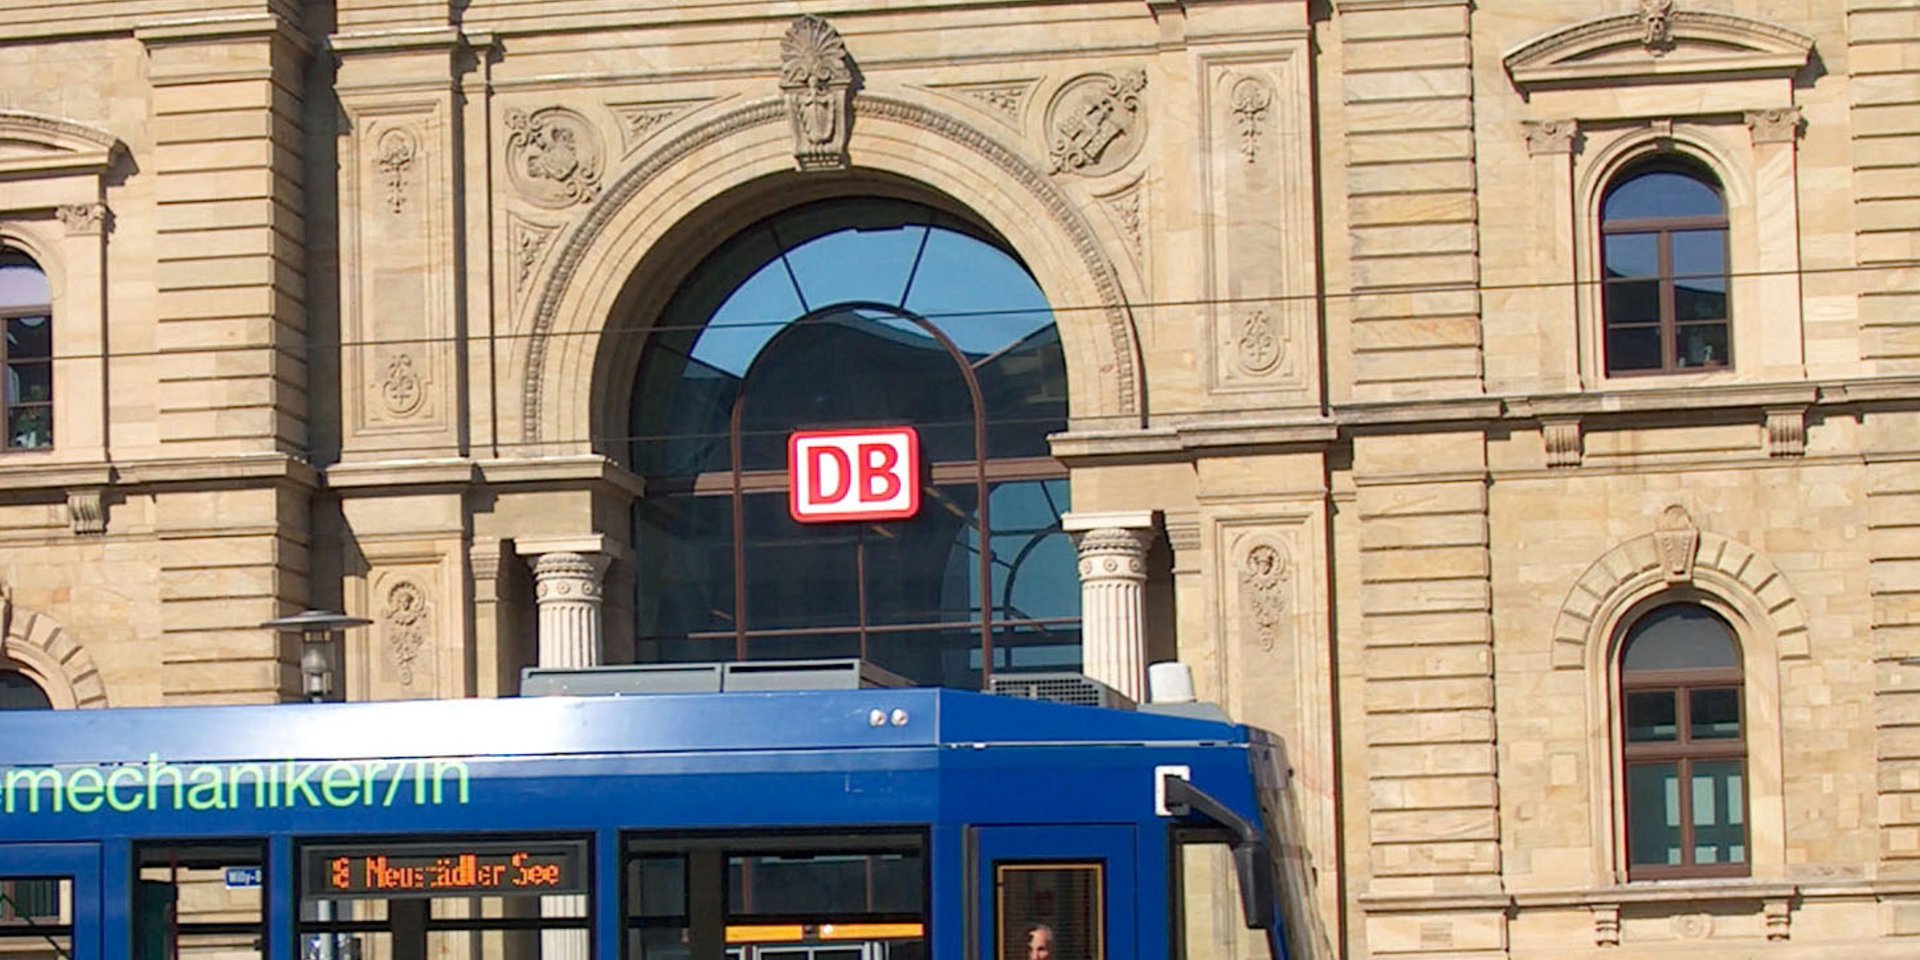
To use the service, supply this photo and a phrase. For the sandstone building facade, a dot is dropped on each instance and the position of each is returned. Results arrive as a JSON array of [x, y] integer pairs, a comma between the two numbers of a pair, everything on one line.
[[1514, 404]]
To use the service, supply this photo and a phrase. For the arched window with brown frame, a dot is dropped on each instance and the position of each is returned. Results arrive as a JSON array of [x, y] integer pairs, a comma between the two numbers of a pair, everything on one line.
[[26, 308], [1683, 745], [1663, 239]]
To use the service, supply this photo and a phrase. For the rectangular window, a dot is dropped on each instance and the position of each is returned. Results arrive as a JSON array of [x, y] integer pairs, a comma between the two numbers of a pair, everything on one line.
[[1059, 905]]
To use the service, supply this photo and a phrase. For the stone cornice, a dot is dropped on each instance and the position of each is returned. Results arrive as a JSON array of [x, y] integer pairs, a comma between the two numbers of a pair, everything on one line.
[[200, 30], [64, 146], [1702, 43], [570, 471]]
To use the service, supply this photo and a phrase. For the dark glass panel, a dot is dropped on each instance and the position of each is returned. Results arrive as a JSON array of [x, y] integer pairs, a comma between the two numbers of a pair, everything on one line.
[[1714, 715], [686, 584], [1024, 390], [926, 569], [1681, 636], [1719, 812], [1632, 301], [1037, 647], [1034, 562], [22, 283], [1632, 255], [838, 887], [29, 428], [30, 382], [657, 886], [1651, 717], [17, 692], [843, 368], [849, 265], [1700, 345], [1653, 814], [945, 657], [1633, 348], [1700, 260], [1661, 193], [798, 575], [29, 337]]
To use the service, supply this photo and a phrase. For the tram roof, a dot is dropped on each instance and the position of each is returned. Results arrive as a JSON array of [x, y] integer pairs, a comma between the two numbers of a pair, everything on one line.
[[553, 726]]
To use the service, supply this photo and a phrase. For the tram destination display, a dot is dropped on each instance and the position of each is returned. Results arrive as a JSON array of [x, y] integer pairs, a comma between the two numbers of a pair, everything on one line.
[[449, 869]]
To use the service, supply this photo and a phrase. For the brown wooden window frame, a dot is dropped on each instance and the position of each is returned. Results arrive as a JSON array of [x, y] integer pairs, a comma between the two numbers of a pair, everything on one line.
[[1684, 751], [1663, 229], [10, 408]]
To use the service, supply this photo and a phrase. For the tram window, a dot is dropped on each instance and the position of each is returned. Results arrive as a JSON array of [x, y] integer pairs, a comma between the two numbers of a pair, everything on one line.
[[35, 915], [1051, 911], [199, 899], [776, 898], [448, 897], [1207, 916]]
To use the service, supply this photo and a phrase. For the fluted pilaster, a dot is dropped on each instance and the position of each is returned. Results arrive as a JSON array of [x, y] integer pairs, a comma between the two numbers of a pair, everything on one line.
[[566, 586], [1113, 594]]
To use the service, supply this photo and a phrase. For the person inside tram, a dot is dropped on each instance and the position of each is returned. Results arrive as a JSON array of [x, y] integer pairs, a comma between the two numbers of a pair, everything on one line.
[[1039, 942]]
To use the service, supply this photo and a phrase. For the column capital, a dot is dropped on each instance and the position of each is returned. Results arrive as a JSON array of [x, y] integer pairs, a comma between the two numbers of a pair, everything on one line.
[[585, 544], [1079, 522]]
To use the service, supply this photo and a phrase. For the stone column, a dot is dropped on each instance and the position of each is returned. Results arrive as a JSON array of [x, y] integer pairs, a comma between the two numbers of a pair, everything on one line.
[[1113, 595]]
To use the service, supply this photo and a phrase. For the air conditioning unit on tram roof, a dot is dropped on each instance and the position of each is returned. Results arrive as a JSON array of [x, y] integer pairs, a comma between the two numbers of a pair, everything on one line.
[[731, 677], [1072, 688]]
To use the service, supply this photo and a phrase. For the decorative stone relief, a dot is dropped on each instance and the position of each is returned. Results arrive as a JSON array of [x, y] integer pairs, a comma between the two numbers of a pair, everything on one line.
[[553, 157], [394, 156], [84, 219], [1266, 580], [1563, 442], [1787, 433], [1692, 926], [638, 121], [405, 627], [817, 77], [1656, 23], [1094, 124], [1260, 346], [1606, 924], [402, 388], [1777, 913], [86, 512], [1677, 540], [526, 242], [1249, 100], [1005, 99], [1550, 136], [1779, 125]]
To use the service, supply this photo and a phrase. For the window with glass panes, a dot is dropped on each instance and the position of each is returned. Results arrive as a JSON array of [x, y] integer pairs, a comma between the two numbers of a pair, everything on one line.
[[1684, 751], [842, 314], [26, 307], [24, 901], [1663, 241]]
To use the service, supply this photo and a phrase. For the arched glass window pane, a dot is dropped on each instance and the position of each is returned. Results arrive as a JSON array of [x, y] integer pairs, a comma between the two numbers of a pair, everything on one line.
[[1662, 193], [23, 285], [19, 692], [851, 313], [1682, 636]]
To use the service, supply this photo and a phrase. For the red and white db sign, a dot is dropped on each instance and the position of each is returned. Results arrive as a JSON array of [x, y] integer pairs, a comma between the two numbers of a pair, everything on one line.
[[853, 475]]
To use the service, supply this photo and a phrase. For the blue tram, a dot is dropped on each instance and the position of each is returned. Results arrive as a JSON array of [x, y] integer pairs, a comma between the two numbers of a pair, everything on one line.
[[890, 824]]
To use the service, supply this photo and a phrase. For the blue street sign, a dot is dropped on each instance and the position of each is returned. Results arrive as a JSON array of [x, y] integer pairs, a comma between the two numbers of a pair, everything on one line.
[[242, 878]]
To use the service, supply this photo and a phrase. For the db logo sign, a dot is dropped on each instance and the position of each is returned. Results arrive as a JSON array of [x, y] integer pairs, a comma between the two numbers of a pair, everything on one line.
[[839, 475]]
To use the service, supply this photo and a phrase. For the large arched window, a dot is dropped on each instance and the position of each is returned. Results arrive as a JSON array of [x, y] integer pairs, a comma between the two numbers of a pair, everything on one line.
[[26, 308], [1684, 745], [845, 314], [1663, 228]]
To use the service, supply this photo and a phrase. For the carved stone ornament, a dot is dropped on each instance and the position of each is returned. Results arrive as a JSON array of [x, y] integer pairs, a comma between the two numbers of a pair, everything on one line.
[[405, 619], [1778, 917], [638, 121], [1656, 22], [1125, 207], [1005, 99], [86, 512], [1563, 442], [1787, 433], [1259, 347], [817, 77], [527, 240], [1095, 125], [1266, 576], [83, 219], [1250, 101], [554, 157], [1692, 926], [394, 158], [401, 388], [1550, 136], [1779, 125], [1677, 540], [1606, 924]]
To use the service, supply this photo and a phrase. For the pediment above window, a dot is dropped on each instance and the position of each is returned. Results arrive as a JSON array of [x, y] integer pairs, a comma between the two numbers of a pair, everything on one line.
[[35, 145], [1658, 44]]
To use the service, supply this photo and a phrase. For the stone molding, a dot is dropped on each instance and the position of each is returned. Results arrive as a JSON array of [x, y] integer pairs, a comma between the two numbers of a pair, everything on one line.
[[1787, 432], [1053, 203], [87, 512], [83, 219], [69, 147], [55, 660], [1701, 43], [1640, 566], [1545, 137], [1781, 125]]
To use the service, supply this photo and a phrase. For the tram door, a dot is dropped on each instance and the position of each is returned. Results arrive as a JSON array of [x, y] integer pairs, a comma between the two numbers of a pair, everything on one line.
[[50, 901], [1060, 893]]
